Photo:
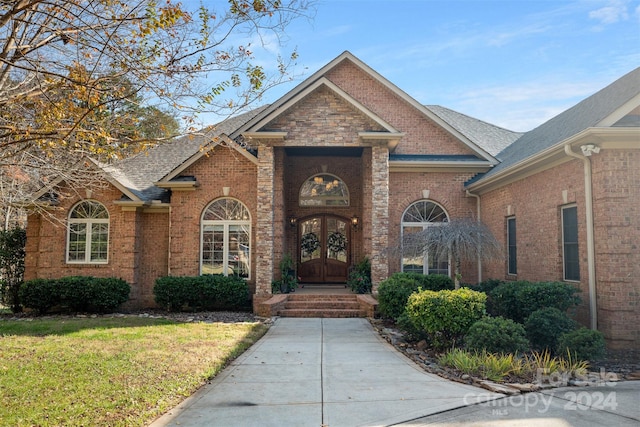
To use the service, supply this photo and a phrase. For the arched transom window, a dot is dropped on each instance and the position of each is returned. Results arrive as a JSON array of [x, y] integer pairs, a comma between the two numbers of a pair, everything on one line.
[[226, 239], [324, 190], [88, 233], [416, 218]]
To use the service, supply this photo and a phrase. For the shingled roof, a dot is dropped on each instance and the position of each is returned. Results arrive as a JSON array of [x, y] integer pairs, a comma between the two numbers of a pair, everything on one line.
[[139, 173], [587, 113], [490, 138]]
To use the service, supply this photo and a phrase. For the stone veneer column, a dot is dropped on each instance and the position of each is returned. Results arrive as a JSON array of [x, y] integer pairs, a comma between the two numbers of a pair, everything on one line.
[[264, 234], [379, 214]]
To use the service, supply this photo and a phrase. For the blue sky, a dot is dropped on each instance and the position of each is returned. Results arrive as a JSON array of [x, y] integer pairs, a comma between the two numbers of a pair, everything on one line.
[[513, 63]]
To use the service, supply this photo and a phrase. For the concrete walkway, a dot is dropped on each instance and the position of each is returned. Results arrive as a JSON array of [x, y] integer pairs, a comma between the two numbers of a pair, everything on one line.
[[321, 372]]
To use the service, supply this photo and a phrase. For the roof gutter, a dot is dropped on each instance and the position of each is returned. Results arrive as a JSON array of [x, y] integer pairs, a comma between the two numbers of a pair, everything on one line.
[[587, 150]]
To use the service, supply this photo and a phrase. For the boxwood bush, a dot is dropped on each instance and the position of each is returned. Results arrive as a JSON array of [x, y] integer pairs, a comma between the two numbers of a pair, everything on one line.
[[208, 292], [582, 344], [545, 326], [445, 316], [74, 294], [394, 292], [497, 335], [517, 300]]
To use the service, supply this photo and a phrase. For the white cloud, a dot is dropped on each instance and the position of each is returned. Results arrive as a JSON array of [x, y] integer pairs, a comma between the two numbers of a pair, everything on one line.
[[615, 11]]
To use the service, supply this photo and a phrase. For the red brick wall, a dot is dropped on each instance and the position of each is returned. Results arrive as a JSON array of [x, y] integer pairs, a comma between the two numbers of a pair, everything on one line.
[[536, 203], [47, 241], [422, 135], [224, 167], [616, 205], [446, 189], [153, 254]]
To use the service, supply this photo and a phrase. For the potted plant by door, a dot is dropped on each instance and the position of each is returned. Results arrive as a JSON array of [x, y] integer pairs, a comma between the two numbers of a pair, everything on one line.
[[288, 280]]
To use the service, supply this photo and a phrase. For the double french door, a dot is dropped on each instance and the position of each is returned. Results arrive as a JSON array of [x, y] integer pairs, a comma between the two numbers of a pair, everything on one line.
[[324, 249]]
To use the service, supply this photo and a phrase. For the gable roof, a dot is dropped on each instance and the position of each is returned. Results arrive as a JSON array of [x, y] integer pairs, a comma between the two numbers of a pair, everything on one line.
[[284, 102], [140, 172], [598, 110]]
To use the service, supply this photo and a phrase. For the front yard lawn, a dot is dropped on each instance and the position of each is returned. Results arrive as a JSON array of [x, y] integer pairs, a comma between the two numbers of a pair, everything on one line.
[[109, 371]]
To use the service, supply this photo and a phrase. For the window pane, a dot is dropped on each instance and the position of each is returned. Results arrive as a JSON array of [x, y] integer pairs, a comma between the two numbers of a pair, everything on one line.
[[99, 242], [77, 242], [238, 262], [213, 249], [310, 232], [570, 243], [413, 257], [324, 190], [226, 210], [336, 239], [89, 210], [511, 242], [438, 265]]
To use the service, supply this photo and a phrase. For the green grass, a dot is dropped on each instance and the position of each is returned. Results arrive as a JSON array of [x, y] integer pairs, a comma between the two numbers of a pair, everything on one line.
[[109, 371]]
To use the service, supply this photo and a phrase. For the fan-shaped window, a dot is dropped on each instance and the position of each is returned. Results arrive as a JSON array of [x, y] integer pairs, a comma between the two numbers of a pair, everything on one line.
[[324, 190], [88, 233], [226, 239], [416, 218]]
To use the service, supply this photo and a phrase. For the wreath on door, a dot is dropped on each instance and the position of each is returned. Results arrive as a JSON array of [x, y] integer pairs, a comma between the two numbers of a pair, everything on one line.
[[337, 242], [309, 243]]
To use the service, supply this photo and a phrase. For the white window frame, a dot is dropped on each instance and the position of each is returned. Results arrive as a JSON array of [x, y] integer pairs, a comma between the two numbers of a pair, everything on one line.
[[226, 223], [423, 225], [89, 223]]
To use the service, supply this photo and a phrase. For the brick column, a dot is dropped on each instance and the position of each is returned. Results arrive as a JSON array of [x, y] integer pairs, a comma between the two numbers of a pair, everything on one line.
[[264, 234], [379, 214]]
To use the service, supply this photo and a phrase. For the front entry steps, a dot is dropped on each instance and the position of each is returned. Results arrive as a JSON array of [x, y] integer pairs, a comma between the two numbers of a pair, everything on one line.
[[319, 305]]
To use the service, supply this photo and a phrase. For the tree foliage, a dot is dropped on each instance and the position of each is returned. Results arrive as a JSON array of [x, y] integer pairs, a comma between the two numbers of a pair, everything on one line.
[[105, 78], [464, 239]]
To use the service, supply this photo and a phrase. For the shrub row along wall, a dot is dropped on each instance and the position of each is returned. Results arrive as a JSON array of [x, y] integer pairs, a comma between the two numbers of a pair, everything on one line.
[[74, 294], [208, 292]]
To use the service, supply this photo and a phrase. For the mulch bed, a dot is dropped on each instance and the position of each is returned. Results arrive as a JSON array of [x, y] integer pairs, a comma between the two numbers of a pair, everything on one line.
[[624, 363]]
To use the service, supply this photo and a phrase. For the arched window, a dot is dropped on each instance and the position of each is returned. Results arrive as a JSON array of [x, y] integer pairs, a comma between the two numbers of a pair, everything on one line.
[[324, 190], [88, 233], [416, 218], [226, 239]]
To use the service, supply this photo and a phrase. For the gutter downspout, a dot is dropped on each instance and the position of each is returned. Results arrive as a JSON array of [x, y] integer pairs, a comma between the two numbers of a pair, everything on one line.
[[477, 197], [591, 259]]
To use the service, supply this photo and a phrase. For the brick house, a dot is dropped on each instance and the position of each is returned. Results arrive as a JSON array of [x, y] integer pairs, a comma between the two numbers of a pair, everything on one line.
[[339, 169]]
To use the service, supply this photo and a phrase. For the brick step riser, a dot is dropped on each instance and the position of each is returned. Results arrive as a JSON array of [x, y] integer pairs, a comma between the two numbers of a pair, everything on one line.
[[292, 297], [322, 305], [321, 313]]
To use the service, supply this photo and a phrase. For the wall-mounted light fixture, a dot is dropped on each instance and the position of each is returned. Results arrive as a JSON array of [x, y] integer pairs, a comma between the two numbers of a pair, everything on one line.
[[355, 221], [293, 221]]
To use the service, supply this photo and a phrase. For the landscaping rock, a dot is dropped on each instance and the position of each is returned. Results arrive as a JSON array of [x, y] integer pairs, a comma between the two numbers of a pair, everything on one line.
[[498, 388]]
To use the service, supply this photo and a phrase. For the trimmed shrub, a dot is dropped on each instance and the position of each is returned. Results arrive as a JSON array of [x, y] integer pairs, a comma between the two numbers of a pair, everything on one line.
[[582, 344], [518, 300], [75, 294], [208, 292], [106, 294], [545, 326], [445, 316], [394, 292], [487, 286], [40, 294], [497, 335]]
